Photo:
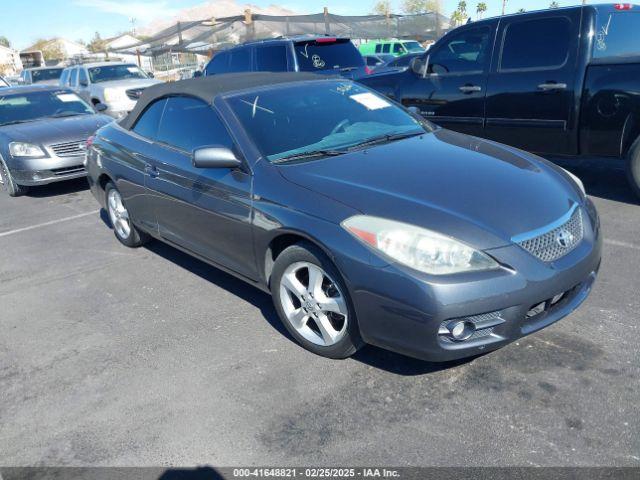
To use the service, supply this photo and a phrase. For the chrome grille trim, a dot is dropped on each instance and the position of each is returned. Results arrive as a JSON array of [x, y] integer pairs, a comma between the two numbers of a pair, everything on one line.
[[69, 149], [542, 243]]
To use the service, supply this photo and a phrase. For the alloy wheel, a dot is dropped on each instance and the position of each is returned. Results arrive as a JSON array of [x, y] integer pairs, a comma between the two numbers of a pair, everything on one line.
[[118, 214], [313, 304]]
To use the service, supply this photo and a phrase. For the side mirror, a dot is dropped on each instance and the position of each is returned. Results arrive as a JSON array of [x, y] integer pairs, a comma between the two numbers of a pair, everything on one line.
[[418, 65], [151, 75], [197, 73], [100, 107], [83, 83], [215, 157]]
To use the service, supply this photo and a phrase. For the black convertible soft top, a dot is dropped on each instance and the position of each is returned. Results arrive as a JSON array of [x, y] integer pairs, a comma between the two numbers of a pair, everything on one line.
[[207, 88]]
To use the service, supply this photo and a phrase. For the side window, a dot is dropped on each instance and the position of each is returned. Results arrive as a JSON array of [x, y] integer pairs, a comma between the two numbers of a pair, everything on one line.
[[188, 123], [466, 52], [549, 50], [73, 78], [63, 78], [378, 48], [240, 60], [148, 123], [386, 48], [271, 59], [218, 64], [397, 48], [82, 76]]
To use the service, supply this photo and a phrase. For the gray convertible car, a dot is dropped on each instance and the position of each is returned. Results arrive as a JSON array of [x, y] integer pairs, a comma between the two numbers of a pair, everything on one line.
[[43, 132]]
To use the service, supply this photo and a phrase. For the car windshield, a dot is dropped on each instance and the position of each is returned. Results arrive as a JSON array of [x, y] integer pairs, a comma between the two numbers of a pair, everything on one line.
[[327, 54], [46, 74], [413, 47], [107, 73], [26, 107], [318, 119]]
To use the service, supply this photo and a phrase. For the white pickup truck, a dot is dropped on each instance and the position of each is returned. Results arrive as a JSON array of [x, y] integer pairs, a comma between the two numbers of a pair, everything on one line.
[[116, 85]]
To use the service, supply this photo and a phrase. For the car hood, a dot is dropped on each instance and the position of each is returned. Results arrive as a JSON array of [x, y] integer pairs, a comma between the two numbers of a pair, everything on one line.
[[127, 84], [477, 191], [55, 130]]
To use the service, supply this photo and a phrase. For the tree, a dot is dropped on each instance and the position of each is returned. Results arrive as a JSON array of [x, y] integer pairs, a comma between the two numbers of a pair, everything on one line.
[[382, 7], [413, 7], [457, 18], [50, 49], [4, 41], [97, 44], [554, 5], [462, 7], [480, 9]]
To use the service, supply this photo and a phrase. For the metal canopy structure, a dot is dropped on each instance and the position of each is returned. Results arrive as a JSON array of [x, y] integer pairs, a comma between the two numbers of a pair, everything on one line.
[[205, 35]]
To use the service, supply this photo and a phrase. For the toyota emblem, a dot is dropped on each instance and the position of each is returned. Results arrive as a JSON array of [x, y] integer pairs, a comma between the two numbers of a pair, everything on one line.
[[564, 238]]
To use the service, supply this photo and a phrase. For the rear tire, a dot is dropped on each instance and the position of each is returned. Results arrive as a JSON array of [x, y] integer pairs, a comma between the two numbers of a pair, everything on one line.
[[633, 167], [123, 228], [313, 302], [8, 184]]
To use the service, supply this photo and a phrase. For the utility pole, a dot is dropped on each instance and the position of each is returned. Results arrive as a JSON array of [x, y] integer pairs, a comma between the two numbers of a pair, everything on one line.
[[504, 5]]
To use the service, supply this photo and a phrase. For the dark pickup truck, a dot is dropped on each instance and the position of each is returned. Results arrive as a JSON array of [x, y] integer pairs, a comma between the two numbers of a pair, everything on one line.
[[563, 83]]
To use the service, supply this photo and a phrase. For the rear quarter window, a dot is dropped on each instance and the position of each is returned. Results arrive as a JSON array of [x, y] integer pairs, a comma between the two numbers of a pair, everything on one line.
[[616, 34]]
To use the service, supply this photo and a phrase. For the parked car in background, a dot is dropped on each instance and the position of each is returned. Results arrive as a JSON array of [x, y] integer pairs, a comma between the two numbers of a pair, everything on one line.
[[42, 75], [43, 132], [573, 93], [391, 47], [365, 222], [307, 53], [117, 85], [374, 61], [397, 64]]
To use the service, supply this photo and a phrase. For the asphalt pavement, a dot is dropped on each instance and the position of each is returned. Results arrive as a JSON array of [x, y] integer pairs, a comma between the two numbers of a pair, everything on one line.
[[113, 356]]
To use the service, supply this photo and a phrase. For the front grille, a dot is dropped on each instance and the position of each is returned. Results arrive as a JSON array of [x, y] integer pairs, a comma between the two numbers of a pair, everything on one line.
[[134, 93], [68, 170], [69, 149], [558, 240]]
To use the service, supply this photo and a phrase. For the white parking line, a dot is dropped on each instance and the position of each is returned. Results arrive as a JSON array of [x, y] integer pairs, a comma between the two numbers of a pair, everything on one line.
[[617, 243], [46, 224]]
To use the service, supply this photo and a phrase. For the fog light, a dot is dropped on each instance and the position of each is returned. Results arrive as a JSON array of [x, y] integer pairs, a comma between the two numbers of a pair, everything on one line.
[[461, 330]]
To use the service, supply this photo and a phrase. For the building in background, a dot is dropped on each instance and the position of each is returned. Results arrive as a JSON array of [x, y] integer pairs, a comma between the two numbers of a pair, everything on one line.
[[10, 63]]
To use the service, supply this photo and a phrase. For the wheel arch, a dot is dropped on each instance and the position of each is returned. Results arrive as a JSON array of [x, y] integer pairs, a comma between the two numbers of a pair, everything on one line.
[[283, 239]]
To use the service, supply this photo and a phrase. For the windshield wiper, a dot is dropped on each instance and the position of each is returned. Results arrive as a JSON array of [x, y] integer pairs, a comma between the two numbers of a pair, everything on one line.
[[67, 114], [309, 154], [14, 122], [386, 138]]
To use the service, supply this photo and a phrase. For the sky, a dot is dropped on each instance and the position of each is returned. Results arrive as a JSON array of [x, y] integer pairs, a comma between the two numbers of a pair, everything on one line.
[[24, 21]]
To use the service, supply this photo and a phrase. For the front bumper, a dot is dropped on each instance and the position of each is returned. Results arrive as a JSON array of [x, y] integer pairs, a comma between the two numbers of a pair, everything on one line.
[[404, 311], [41, 171], [120, 108]]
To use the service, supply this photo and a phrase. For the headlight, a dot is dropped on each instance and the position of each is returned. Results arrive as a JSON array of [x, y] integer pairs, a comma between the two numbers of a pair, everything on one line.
[[21, 149], [577, 180], [416, 247]]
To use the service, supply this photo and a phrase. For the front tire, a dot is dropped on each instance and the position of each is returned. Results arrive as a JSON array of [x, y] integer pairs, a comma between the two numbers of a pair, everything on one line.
[[633, 167], [8, 184], [313, 302], [123, 228]]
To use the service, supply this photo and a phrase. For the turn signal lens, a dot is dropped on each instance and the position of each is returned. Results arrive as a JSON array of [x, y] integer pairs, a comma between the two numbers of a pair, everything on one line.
[[417, 247]]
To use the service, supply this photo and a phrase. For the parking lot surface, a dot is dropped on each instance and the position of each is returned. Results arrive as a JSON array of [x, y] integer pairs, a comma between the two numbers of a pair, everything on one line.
[[112, 356]]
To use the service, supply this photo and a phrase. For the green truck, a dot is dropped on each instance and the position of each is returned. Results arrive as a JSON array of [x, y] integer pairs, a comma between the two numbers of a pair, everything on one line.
[[393, 47]]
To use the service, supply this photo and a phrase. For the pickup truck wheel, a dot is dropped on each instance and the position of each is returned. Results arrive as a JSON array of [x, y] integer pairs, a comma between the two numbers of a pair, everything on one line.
[[123, 228], [633, 167]]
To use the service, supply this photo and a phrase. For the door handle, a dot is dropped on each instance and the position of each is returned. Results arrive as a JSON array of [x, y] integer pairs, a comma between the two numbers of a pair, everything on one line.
[[470, 88], [151, 170], [552, 86]]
